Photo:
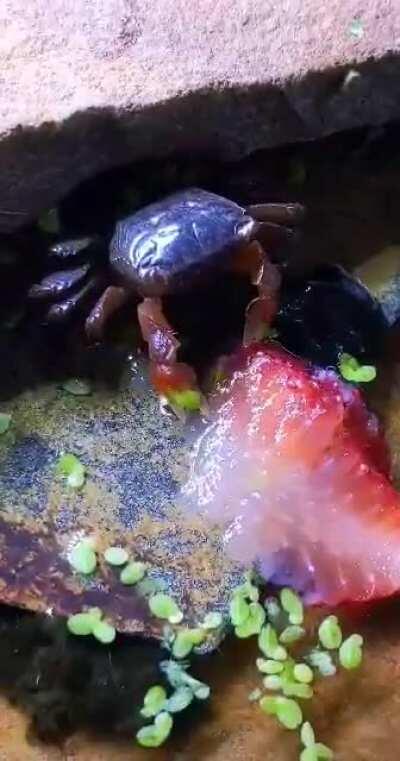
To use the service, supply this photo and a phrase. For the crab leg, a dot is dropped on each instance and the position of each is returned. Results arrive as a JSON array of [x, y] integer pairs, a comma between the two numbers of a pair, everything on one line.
[[277, 213], [266, 276], [109, 302], [174, 381], [62, 310], [58, 284], [272, 225], [157, 332]]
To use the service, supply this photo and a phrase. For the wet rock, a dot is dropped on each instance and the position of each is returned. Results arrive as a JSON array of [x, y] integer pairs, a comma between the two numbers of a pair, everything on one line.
[[87, 85]]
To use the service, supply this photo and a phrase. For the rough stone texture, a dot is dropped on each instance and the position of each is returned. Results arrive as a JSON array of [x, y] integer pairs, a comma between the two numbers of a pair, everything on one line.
[[88, 84]]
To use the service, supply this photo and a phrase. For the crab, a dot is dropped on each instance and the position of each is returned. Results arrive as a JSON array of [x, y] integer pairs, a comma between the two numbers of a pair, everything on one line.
[[162, 249]]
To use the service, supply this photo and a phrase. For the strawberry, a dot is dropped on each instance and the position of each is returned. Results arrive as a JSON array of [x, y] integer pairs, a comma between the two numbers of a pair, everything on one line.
[[296, 470]]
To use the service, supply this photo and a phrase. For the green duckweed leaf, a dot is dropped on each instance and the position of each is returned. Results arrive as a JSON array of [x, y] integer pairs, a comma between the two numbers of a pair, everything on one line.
[[253, 623], [188, 399], [297, 690], [104, 632], [322, 661], [292, 604], [287, 674], [247, 589], [352, 371], [268, 644], [179, 700], [154, 701], [272, 682], [186, 640], [316, 752], [239, 610], [291, 634], [83, 558], [350, 652], [330, 633], [96, 613], [116, 556], [307, 734], [69, 466], [289, 713], [148, 587], [269, 666], [154, 735], [175, 673], [81, 624], [269, 705], [177, 676], [164, 606], [132, 573], [303, 673], [274, 610], [309, 754], [202, 692]]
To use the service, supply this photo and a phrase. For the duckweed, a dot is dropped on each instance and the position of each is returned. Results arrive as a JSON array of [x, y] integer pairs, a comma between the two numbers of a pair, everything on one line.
[[164, 606], [297, 690], [322, 661], [188, 399], [269, 666], [83, 558], [239, 610], [330, 633], [307, 734], [132, 573], [154, 735], [253, 623], [72, 469], [293, 606], [291, 634], [273, 682], [352, 371], [179, 700], [104, 632], [116, 556], [177, 675], [186, 640], [268, 644], [303, 673], [286, 710], [154, 701], [350, 652], [81, 624]]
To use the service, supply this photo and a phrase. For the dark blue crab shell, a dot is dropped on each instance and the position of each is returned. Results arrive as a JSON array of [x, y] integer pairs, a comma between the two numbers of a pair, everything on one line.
[[165, 246]]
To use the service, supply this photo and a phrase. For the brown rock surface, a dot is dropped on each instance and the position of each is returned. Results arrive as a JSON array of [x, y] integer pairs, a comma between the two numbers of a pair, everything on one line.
[[88, 84]]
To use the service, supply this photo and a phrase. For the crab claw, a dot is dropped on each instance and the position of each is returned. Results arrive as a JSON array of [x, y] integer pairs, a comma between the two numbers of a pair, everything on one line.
[[267, 278], [177, 386], [174, 381]]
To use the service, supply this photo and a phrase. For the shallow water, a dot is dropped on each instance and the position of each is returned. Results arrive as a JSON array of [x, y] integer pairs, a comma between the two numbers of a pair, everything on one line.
[[357, 715]]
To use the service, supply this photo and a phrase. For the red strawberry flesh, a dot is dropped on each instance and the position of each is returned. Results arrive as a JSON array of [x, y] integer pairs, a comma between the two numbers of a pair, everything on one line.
[[295, 469]]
